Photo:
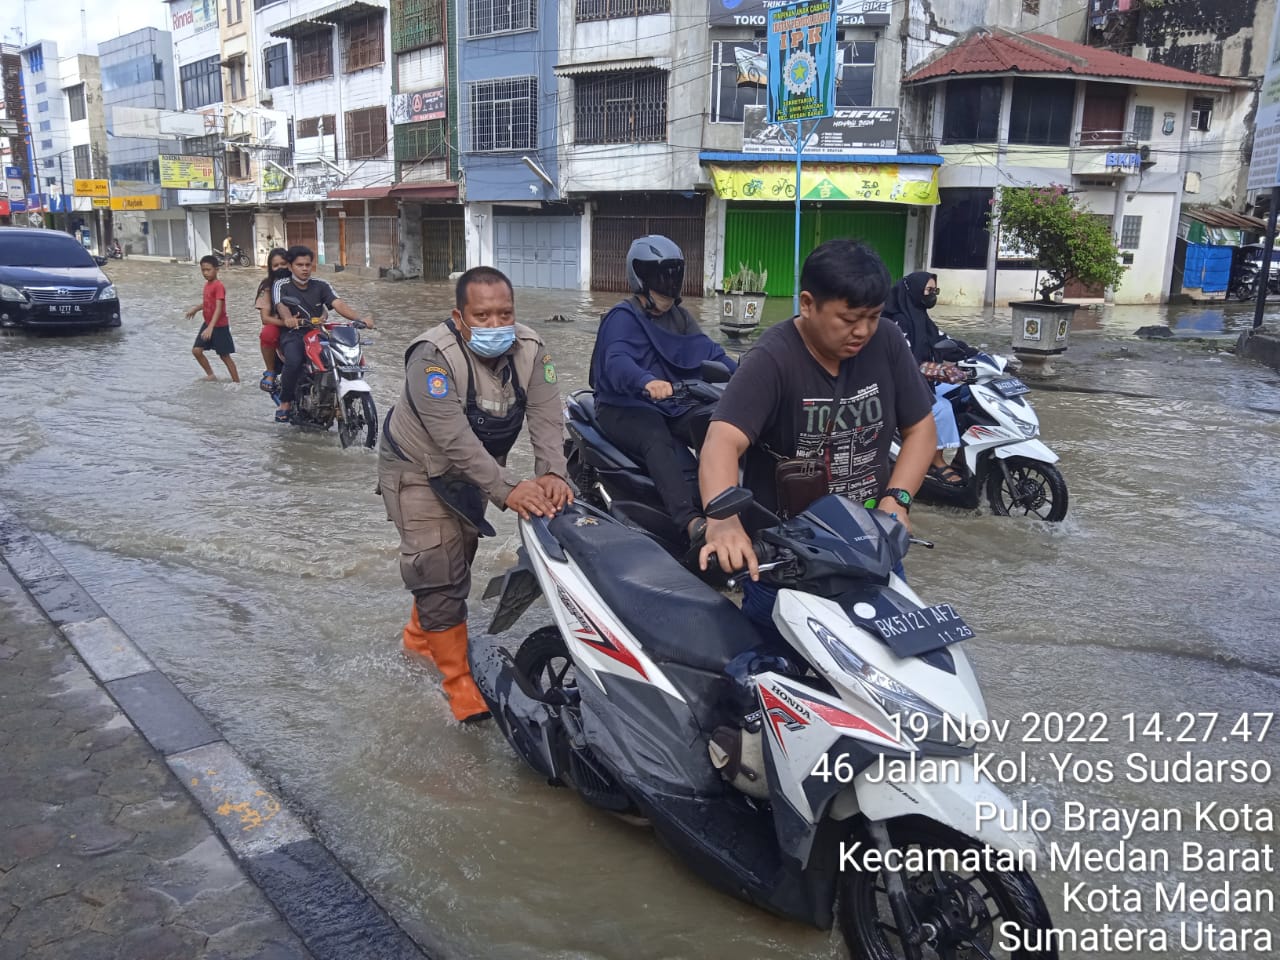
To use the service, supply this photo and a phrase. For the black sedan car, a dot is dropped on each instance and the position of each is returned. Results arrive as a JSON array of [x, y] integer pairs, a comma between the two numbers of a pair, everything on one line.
[[48, 281]]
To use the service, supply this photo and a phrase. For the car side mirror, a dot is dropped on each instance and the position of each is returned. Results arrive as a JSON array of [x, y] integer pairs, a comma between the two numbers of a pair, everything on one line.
[[100, 261], [713, 371], [729, 503]]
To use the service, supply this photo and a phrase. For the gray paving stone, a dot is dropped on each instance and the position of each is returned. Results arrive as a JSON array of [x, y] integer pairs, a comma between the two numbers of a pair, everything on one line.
[[249, 817], [168, 720], [108, 651], [63, 600], [30, 559]]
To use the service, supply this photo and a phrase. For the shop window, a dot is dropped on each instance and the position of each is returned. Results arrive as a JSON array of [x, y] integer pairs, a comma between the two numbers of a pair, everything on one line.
[[1042, 111], [960, 234], [739, 77], [971, 111], [621, 107]]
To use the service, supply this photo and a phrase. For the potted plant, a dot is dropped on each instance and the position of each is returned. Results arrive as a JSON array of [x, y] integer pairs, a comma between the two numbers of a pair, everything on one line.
[[741, 300], [1069, 243]]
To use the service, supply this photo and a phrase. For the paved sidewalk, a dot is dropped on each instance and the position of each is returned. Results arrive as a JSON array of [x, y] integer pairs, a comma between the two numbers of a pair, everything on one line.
[[103, 854], [129, 829]]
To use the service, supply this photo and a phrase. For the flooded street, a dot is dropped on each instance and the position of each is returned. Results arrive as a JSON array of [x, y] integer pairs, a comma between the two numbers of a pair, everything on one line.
[[253, 563]]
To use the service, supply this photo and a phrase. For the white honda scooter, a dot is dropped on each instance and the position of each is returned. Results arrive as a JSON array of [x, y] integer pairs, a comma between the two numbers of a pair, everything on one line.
[[1001, 454], [826, 771]]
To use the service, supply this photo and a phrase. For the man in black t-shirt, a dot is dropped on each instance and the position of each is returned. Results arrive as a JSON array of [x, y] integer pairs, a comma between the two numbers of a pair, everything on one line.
[[297, 300], [830, 383]]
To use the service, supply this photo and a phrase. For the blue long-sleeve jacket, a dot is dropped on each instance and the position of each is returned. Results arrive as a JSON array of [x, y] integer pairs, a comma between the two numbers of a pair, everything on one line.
[[632, 349]]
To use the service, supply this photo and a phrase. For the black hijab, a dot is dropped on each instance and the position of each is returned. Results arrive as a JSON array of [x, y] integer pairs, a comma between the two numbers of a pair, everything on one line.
[[905, 307]]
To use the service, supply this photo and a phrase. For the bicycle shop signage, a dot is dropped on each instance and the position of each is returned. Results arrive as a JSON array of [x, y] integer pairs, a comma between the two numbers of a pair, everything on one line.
[[753, 13], [851, 130], [910, 183]]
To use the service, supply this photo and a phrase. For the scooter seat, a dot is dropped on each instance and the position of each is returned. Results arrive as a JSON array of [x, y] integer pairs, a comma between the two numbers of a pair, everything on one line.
[[675, 616]]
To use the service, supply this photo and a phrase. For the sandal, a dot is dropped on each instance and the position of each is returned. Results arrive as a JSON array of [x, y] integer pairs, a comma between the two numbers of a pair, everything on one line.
[[944, 474], [268, 381], [282, 416]]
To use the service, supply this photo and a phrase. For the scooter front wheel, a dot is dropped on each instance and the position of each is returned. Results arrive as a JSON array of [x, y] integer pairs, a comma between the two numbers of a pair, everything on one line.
[[1033, 489], [359, 416], [966, 912]]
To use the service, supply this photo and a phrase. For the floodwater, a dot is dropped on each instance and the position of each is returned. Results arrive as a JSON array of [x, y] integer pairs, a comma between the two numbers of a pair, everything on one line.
[[254, 564]]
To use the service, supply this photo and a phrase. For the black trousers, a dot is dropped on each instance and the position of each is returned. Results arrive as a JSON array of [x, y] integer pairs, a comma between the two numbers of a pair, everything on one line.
[[655, 440], [293, 347]]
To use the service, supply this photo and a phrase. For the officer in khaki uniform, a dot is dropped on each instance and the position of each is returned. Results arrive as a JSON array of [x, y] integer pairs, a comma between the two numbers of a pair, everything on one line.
[[471, 383]]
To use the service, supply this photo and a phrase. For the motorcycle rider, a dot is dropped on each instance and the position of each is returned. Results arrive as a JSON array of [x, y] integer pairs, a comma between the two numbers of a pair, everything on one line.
[[908, 306], [775, 408], [644, 344], [299, 299], [470, 384]]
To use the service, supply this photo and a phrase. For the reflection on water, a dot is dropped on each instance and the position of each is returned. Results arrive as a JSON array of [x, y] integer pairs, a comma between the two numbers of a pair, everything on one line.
[[254, 564]]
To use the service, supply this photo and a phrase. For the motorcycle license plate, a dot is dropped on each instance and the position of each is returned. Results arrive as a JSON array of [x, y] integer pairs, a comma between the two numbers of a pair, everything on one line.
[[1010, 387], [62, 308], [920, 631]]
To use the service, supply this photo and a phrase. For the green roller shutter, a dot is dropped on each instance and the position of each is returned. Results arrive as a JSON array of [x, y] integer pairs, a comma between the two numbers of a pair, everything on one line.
[[765, 234]]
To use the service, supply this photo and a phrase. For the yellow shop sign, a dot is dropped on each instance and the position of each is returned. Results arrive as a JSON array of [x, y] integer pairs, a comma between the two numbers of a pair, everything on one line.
[[135, 203], [876, 182], [90, 188]]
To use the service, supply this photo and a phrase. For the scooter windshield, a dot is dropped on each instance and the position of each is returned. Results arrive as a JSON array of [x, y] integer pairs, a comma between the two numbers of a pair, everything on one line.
[[839, 540]]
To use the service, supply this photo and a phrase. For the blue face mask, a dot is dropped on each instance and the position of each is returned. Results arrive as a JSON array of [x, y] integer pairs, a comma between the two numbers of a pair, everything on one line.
[[492, 341]]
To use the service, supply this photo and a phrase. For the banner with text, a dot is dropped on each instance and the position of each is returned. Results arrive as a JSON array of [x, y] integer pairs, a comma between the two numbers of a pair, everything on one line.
[[914, 184], [851, 130], [801, 50], [90, 188], [416, 107], [754, 13], [187, 173]]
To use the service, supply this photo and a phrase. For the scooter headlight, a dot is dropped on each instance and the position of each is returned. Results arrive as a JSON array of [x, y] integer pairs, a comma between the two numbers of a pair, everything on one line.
[[918, 718]]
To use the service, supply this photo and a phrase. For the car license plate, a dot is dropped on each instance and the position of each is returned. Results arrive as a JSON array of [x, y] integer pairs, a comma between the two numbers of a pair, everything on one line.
[[914, 632], [61, 308], [1010, 387]]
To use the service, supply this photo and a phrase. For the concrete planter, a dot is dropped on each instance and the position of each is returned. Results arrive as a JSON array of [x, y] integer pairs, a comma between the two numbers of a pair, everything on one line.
[[1040, 331], [740, 312]]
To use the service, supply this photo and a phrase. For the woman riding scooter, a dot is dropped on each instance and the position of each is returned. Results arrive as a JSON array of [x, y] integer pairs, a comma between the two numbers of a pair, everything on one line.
[[908, 306]]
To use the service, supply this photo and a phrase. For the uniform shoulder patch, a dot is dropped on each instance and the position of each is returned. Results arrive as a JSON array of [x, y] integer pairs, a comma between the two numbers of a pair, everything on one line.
[[437, 382], [549, 372]]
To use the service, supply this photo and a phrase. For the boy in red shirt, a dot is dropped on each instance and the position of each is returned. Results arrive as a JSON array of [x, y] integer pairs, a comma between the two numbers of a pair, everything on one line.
[[216, 330]]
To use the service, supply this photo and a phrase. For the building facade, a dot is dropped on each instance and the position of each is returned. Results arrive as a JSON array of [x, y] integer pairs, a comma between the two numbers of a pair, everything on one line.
[[137, 73], [1132, 139]]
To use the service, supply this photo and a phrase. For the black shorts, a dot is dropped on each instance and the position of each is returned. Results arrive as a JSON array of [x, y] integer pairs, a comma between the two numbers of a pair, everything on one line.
[[220, 343]]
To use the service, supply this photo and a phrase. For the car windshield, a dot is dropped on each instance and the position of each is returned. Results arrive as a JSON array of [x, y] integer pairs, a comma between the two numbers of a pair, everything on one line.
[[53, 250]]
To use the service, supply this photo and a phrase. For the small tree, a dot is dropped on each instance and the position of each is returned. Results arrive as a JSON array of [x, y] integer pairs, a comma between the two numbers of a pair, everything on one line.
[[1069, 242]]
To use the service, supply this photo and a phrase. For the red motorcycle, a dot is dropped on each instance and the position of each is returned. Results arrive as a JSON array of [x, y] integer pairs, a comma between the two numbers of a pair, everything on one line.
[[331, 387]]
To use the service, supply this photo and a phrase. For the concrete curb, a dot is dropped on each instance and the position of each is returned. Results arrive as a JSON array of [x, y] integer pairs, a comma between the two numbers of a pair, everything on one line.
[[329, 911]]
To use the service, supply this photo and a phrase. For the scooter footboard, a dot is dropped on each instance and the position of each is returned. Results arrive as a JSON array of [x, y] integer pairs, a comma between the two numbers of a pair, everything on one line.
[[966, 801]]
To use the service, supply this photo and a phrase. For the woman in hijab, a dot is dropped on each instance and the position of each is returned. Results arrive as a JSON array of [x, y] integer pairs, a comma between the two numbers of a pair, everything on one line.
[[908, 306]]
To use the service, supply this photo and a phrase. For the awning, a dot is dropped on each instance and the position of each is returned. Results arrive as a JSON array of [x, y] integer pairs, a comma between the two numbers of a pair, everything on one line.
[[326, 16], [914, 184], [1222, 217], [609, 66], [360, 193], [438, 190]]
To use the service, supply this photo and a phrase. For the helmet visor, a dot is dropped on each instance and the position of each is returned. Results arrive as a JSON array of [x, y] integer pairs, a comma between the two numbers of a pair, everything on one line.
[[665, 277]]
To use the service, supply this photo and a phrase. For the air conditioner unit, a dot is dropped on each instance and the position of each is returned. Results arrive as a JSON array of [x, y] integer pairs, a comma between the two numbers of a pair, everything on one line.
[[1144, 154]]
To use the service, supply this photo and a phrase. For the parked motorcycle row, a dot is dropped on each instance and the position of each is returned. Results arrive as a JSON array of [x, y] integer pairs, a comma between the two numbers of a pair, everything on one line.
[[759, 760]]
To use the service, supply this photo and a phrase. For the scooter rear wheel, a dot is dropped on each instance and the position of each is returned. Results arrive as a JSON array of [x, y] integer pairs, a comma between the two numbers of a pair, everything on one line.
[[964, 909], [1034, 489]]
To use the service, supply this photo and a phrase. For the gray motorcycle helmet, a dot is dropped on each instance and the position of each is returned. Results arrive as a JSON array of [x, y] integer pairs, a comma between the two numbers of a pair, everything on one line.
[[655, 264]]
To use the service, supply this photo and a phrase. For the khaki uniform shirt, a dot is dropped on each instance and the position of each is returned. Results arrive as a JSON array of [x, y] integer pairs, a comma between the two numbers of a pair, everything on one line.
[[439, 441]]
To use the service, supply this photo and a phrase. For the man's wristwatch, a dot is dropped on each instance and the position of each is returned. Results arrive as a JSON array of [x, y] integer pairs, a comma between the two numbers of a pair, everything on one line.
[[898, 496]]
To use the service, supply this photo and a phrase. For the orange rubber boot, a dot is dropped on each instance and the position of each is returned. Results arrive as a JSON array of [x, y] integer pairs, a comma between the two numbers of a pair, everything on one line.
[[450, 649], [417, 640]]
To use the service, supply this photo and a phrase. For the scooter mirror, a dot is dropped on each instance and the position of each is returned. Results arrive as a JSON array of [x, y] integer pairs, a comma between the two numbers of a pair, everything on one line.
[[730, 503], [713, 371]]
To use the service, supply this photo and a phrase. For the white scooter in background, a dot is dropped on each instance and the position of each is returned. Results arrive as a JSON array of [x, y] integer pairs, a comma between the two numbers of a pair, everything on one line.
[[1001, 454], [793, 771]]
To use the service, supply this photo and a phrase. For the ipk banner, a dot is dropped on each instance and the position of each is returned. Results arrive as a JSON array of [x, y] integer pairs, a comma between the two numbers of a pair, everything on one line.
[[801, 53]]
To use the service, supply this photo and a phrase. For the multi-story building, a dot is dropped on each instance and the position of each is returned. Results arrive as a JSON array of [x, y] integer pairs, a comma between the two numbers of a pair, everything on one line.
[[86, 144], [15, 167], [1133, 139], [48, 127], [424, 119], [326, 66], [137, 72]]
